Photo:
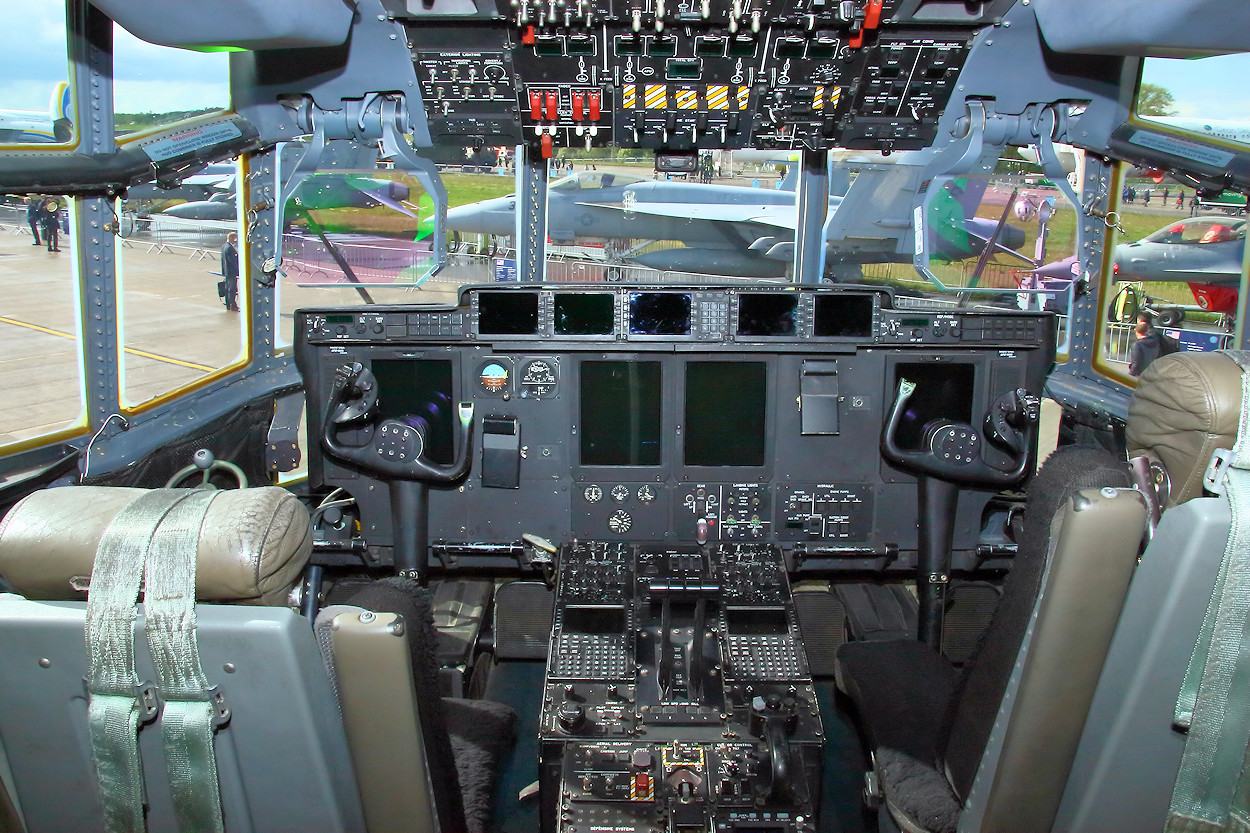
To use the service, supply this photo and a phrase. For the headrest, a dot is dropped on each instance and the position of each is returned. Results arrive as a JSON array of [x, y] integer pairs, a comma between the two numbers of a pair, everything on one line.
[[1186, 406], [253, 545]]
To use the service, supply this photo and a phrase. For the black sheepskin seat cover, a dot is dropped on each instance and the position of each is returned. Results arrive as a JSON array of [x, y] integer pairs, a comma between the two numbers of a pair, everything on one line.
[[464, 739]]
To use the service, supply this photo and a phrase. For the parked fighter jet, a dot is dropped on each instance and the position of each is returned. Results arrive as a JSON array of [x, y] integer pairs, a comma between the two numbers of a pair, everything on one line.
[[726, 229], [1204, 252], [324, 190]]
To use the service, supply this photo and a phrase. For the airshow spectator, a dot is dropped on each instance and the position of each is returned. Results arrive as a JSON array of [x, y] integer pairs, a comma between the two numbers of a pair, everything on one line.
[[230, 271], [34, 215], [50, 222]]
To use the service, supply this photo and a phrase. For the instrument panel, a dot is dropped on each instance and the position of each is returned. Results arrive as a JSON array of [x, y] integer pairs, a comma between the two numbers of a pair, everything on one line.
[[671, 414], [677, 694]]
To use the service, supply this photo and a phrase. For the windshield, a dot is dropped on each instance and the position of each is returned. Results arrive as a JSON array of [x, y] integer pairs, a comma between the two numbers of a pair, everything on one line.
[[1200, 230]]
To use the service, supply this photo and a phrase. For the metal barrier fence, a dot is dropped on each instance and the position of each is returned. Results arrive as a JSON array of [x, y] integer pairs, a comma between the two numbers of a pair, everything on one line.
[[196, 239], [1120, 340]]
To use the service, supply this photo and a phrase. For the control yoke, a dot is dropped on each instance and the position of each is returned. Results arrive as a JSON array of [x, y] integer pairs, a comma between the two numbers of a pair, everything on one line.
[[394, 450], [952, 451], [951, 454]]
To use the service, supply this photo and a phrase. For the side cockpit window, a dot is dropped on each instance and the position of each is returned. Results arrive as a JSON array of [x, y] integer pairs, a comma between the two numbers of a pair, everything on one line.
[[1178, 259]]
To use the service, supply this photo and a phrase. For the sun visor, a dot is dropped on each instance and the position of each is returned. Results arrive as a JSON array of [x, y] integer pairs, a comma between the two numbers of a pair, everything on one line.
[[1159, 28], [244, 24], [1206, 165]]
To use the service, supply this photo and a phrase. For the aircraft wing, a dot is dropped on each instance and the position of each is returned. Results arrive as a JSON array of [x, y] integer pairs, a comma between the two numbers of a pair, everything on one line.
[[999, 248], [221, 182], [390, 203], [779, 216]]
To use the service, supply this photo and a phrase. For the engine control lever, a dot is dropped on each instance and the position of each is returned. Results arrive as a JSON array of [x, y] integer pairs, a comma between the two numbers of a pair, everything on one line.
[[774, 719], [395, 451]]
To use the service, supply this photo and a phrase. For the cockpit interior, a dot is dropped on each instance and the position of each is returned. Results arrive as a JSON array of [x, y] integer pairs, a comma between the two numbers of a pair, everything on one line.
[[625, 416]]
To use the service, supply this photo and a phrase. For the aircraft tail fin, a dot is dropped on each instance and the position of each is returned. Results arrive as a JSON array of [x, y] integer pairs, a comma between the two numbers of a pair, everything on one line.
[[968, 193], [61, 103], [790, 182], [61, 111]]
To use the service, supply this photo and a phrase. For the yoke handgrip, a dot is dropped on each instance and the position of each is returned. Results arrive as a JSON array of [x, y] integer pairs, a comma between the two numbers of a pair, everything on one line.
[[952, 451]]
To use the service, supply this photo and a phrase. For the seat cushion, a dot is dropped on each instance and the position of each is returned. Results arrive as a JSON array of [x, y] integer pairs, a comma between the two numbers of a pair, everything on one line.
[[464, 739], [916, 794], [902, 690], [482, 731]]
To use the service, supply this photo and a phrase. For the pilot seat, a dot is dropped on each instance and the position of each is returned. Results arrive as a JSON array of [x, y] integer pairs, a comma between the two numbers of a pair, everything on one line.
[[1003, 743], [337, 728]]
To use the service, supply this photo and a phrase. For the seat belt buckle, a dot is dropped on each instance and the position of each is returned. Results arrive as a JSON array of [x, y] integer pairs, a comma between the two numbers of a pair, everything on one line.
[[147, 698], [221, 709], [1217, 471], [149, 701]]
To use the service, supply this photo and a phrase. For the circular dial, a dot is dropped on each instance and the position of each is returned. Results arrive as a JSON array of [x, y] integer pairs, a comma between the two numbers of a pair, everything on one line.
[[620, 493], [493, 377], [645, 494], [538, 378], [620, 521], [593, 494]]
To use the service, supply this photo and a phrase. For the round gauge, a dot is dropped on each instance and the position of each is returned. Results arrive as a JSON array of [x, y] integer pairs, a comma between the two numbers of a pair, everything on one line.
[[593, 494], [493, 377], [645, 494], [538, 378], [620, 493], [620, 522]]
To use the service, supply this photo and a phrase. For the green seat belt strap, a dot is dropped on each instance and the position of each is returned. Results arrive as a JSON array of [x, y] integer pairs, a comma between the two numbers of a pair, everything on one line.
[[191, 711], [1212, 786], [115, 701]]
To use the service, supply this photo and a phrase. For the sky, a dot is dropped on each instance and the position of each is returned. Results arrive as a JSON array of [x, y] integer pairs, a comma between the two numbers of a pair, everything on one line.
[[153, 79], [1209, 88], [148, 79]]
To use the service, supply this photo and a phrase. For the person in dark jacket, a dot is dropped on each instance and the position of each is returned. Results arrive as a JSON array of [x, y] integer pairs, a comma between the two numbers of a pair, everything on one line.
[[50, 222], [34, 215], [230, 271], [1147, 348]]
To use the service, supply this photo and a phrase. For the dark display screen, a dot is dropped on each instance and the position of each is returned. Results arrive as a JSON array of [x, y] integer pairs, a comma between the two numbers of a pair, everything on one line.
[[725, 407], [507, 313], [767, 314], [419, 392], [848, 316], [601, 620], [659, 313], [620, 413], [943, 392], [583, 315]]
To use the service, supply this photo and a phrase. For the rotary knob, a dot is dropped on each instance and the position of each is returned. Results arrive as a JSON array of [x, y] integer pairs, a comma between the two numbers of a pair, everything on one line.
[[570, 716]]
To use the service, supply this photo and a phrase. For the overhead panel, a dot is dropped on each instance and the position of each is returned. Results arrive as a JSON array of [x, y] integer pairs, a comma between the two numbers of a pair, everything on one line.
[[682, 74]]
